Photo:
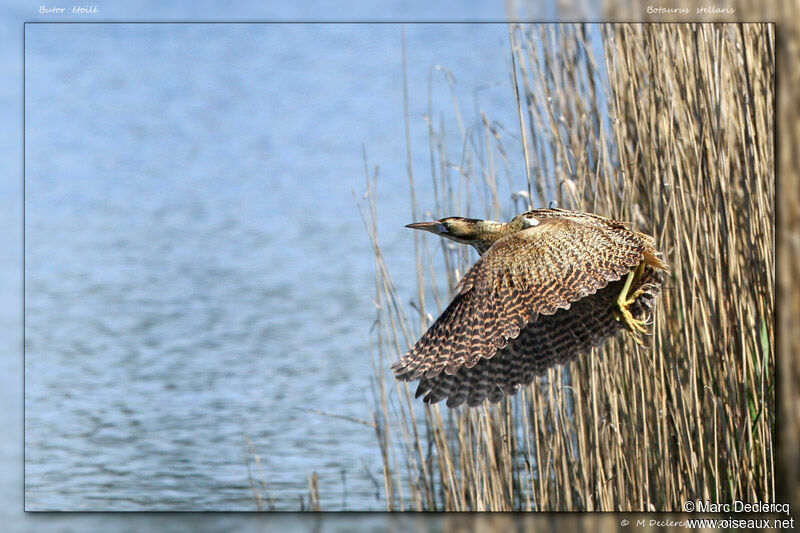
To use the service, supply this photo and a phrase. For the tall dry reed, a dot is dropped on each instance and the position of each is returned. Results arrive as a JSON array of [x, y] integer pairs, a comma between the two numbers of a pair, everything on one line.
[[672, 129]]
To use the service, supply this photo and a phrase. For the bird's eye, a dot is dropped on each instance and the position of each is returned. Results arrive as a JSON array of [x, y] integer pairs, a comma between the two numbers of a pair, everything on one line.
[[530, 221], [442, 227]]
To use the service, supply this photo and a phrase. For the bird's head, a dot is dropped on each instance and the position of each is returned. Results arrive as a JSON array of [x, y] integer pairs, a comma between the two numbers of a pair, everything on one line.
[[459, 229]]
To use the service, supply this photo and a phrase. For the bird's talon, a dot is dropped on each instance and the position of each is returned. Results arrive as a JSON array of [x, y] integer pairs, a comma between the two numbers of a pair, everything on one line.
[[624, 302]]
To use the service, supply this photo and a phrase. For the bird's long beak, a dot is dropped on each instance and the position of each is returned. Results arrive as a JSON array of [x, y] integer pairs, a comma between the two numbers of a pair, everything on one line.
[[434, 227]]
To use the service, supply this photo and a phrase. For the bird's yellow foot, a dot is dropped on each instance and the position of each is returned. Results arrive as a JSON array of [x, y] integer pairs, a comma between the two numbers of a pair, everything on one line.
[[625, 300]]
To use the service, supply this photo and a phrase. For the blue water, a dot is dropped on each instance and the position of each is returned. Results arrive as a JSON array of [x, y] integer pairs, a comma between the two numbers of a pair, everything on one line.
[[197, 273]]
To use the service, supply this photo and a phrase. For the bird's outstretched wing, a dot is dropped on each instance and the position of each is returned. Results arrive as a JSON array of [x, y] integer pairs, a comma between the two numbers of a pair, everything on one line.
[[533, 272], [550, 340]]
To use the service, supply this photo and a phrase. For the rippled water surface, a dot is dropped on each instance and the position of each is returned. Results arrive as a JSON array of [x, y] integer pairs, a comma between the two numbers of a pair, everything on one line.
[[197, 273]]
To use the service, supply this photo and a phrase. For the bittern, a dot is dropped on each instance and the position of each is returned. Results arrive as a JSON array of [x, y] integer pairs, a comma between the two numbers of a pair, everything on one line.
[[549, 285]]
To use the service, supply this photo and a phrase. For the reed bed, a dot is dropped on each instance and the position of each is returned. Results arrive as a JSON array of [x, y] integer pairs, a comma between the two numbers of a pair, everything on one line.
[[671, 129]]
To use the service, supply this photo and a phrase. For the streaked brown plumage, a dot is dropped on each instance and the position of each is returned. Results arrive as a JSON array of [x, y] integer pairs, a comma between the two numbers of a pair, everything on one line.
[[549, 285]]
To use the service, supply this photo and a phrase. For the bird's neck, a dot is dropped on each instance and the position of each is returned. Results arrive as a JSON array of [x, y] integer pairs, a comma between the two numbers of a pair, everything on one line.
[[489, 232]]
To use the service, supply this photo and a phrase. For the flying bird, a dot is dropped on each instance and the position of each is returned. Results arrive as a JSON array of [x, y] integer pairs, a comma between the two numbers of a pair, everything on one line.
[[549, 285]]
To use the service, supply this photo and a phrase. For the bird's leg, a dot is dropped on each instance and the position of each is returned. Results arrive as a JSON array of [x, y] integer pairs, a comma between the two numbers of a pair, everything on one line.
[[624, 301]]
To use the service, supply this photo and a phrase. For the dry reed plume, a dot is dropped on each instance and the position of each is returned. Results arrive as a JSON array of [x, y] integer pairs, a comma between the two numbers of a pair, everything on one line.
[[677, 137]]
